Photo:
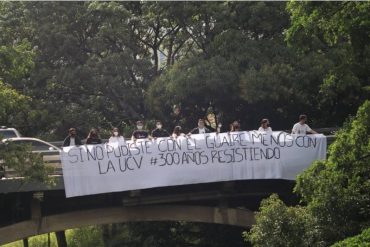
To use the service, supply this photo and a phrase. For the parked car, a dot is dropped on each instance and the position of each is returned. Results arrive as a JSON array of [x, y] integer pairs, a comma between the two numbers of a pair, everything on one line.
[[50, 153], [38, 146], [8, 132]]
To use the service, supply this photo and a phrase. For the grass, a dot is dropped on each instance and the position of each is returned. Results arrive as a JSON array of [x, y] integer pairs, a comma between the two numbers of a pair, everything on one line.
[[80, 237]]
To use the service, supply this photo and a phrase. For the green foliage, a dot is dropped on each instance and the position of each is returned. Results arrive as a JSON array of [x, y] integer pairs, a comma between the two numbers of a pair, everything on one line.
[[145, 234], [337, 190], [16, 61], [24, 162], [280, 225], [105, 64], [171, 234], [330, 22], [195, 83], [340, 32], [84, 237], [36, 241], [334, 192], [362, 240], [81, 237], [14, 107], [97, 64]]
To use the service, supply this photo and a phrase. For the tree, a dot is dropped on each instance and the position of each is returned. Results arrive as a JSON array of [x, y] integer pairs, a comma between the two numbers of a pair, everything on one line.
[[194, 83], [233, 38], [340, 32], [13, 106], [334, 195], [91, 69], [362, 239], [336, 190], [279, 225], [15, 111], [25, 164]]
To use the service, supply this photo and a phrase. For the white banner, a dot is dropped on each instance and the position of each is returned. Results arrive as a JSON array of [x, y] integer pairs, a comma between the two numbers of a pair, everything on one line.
[[203, 158]]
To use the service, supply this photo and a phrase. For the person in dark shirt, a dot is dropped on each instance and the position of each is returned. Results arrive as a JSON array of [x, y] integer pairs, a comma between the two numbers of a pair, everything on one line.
[[201, 129], [139, 133], [159, 131], [72, 139], [235, 126], [93, 137]]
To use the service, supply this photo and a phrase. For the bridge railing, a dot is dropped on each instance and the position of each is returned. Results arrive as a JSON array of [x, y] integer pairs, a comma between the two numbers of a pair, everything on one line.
[[54, 162], [330, 131]]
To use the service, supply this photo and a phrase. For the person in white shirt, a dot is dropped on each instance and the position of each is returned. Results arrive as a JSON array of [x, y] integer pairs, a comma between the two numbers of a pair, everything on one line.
[[116, 136], [301, 128], [265, 126]]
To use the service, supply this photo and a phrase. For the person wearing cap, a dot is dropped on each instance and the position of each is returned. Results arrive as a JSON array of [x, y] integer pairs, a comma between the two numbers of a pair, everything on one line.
[[301, 128], [265, 126], [159, 131], [201, 129], [72, 139], [139, 133]]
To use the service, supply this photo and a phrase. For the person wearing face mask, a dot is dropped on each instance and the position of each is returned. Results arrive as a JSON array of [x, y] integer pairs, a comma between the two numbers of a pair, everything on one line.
[[265, 126], [72, 139], [201, 129], [116, 137], [139, 133], [235, 126], [93, 137], [159, 131]]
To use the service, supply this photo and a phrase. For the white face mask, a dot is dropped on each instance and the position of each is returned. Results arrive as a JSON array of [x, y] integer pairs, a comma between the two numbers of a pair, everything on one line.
[[139, 127], [159, 126], [115, 133]]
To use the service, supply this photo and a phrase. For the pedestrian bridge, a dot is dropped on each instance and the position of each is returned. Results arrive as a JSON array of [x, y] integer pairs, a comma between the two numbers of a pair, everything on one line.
[[31, 208]]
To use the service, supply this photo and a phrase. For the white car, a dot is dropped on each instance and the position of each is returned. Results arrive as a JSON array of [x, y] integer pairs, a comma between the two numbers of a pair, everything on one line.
[[37, 145], [9, 132], [50, 153]]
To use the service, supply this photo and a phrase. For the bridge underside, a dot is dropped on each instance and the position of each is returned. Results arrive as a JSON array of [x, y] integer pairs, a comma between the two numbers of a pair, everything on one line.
[[31, 209], [236, 217]]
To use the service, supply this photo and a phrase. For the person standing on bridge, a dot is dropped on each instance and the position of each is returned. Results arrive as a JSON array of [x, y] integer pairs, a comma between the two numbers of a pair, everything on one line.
[[177, 132], [116, 137], [301, 128], [139, 133], [159, 131], [72, 139], [93, 137], [235, 126], [201, 129], [265, 126]]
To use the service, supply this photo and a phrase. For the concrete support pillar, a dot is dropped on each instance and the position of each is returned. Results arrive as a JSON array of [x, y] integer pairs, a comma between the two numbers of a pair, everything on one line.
[[61, 238], [25, 242]]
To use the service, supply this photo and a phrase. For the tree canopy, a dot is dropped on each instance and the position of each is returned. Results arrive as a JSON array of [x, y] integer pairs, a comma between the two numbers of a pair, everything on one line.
[[105, 64]]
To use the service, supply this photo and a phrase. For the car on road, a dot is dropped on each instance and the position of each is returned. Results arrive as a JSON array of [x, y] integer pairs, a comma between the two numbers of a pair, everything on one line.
[[8, 132], [49, 152], [37, 145]]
